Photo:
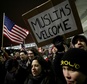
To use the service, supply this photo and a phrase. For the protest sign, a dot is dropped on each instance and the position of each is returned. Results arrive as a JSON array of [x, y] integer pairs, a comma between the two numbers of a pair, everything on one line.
[[51, 19]]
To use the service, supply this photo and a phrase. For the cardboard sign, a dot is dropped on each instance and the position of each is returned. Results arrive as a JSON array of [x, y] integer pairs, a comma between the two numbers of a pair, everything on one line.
[[51, 19]]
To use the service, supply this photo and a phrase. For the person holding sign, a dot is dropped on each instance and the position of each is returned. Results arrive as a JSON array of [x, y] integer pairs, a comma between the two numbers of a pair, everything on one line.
[[59, 43]]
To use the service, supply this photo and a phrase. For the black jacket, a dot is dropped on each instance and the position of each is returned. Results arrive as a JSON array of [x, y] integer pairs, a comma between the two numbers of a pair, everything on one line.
[[58, 69], [41, 79]]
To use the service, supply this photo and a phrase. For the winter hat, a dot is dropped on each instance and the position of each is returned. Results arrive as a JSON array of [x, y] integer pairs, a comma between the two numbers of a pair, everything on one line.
[[58, 42], [79, 37], [75, 58]]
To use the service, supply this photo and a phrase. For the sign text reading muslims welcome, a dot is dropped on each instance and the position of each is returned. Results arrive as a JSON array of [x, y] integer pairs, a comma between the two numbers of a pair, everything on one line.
[[57, 20]]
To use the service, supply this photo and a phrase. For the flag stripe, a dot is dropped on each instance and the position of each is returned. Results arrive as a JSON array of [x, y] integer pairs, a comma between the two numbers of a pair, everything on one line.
[[12, 37], [20, 31], [13, 40], [14, 32]]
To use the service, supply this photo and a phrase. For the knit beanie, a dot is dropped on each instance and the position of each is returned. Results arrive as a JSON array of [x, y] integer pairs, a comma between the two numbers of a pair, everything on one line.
[[58, 42], [75, 58]]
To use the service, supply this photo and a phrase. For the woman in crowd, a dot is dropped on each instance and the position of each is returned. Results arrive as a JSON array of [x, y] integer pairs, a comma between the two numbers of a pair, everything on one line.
[[40, 74]]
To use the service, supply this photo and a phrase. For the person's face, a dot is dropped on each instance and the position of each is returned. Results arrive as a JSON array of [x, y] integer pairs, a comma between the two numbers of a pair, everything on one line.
[[30, 54], [23, 56], [17, 54], [80, 44], [72, 76], [36, 68], [54, 49]]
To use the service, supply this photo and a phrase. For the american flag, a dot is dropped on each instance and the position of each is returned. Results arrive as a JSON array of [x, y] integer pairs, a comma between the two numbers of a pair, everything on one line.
[[14, 32]]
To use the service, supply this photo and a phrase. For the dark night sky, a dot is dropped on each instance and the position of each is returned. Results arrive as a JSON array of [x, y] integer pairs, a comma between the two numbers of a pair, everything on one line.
[[14, 10]]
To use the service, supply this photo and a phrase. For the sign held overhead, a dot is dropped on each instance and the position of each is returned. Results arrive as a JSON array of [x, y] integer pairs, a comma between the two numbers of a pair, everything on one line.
[[52, 19]]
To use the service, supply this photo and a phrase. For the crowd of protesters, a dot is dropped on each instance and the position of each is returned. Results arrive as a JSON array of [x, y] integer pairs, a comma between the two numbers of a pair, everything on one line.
[[61, 63]]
